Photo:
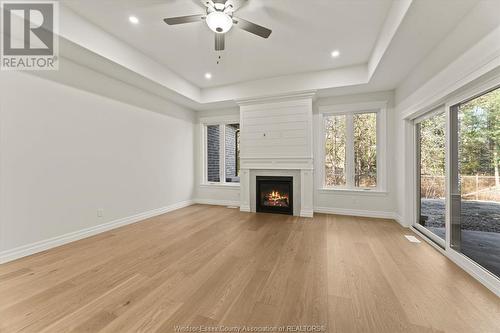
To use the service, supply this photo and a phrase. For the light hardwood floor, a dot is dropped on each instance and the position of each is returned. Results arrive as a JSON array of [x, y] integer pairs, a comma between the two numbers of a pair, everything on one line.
[[210, 266]]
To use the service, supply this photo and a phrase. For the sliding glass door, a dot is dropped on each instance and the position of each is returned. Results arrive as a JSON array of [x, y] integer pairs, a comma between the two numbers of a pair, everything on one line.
[[431, 176], [475, 179]]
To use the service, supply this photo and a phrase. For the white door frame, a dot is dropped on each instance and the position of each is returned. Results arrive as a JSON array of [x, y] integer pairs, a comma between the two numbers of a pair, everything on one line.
[[488, 279]]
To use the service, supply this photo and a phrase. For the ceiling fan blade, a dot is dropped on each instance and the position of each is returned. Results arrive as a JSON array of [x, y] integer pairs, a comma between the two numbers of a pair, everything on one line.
[[220, 42], [184, 19], [252, 27]]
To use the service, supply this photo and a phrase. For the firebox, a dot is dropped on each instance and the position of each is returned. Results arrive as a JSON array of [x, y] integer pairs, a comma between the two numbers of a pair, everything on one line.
[[274, 195]]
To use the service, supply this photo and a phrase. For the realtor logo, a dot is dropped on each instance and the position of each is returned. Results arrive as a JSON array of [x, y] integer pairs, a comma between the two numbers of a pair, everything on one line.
[[29, 38]]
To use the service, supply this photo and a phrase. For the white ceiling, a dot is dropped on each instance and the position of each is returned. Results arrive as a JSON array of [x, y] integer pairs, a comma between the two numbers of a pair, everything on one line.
[[384, 45], [304, 34]]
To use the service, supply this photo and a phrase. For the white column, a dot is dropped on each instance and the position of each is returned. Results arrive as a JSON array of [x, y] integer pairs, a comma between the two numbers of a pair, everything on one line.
[[245, 190], [306, 193]]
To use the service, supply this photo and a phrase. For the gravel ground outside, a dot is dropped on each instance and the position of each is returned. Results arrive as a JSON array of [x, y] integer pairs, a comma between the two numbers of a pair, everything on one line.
[[476, 215]]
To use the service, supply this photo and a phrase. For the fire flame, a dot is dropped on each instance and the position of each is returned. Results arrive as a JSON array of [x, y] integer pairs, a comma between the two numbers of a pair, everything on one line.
[[275, 198]]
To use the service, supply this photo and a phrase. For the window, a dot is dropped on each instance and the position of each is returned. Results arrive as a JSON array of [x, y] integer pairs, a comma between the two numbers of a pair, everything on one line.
[[232, 155], [335, 150], [213, 153], [365, 150], [222, 153], [475, 179], [430, 174], [351, 151]]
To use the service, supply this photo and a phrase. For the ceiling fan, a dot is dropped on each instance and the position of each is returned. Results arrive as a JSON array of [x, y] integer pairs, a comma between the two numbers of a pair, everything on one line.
[[220, 19]]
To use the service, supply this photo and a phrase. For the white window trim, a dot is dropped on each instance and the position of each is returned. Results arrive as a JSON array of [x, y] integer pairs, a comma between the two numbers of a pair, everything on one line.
[[378, 107], [221, 121]]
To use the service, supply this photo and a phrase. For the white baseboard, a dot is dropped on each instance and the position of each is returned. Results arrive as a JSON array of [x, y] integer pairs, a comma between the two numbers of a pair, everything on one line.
[[400, 220], [355, 212], [306, 213], [476, 271], [29, 249], [309, 213], [217, 202]]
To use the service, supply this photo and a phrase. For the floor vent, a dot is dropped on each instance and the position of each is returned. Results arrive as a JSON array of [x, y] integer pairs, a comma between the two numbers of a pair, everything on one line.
[[412, 239]]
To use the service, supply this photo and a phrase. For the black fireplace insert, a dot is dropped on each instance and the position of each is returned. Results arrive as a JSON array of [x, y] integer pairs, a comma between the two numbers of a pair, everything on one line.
[[274, 194]]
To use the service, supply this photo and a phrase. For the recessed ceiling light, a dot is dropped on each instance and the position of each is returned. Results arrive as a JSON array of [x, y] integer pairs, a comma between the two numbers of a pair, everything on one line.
[[208, 76], [335, 53], [133, 20]]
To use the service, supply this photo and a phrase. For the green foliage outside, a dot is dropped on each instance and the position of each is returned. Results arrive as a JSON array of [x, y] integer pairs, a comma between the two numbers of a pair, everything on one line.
[[335, 150], [432, 145], [479, 150], [364, 142], [479, 136], [365, 150]]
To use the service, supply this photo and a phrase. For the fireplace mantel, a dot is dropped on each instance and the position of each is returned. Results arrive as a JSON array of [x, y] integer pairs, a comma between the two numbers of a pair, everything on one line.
[[276, 140]]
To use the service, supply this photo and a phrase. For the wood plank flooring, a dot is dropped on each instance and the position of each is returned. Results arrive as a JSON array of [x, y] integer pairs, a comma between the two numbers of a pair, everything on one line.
[[211, 266]]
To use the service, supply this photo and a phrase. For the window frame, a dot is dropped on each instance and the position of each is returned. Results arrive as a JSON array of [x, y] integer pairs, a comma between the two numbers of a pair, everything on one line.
[[349, 110], [416, 123], [221, 122]]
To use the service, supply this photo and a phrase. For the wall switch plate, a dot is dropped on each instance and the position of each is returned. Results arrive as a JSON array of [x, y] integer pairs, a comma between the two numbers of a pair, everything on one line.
[[100, 212]]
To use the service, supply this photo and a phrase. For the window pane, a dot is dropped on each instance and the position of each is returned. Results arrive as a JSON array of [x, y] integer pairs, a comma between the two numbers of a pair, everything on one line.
[[232, 153], [335, 149], [213, 153], [476, 203], [365, 150], [432, 148]]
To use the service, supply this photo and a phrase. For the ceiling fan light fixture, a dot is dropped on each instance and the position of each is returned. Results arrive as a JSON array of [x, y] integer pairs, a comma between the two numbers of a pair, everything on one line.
[[219, 22]]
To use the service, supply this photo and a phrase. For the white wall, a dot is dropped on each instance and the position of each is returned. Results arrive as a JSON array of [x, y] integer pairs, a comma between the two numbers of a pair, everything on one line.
[[66, 152], [478, 23], [276, 129]]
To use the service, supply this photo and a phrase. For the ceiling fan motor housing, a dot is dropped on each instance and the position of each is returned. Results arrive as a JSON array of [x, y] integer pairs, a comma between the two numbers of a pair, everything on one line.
[[219, 22]]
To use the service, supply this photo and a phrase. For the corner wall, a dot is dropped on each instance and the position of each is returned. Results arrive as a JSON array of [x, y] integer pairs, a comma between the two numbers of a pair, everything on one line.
[[68, 155]]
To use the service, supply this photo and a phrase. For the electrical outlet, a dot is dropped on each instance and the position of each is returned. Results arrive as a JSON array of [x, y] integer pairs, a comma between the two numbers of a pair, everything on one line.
[[100, 212]]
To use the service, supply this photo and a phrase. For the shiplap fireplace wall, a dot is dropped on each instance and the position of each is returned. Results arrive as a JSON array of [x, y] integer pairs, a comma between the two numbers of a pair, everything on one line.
[[276, 140]]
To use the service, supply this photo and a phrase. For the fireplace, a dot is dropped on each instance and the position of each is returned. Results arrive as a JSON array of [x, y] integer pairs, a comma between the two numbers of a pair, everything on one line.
[[274, 194]]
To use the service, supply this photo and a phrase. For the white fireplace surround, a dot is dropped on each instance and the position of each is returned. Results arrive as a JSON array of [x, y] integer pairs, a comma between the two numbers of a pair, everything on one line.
[[298, 193], [276, 140]]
